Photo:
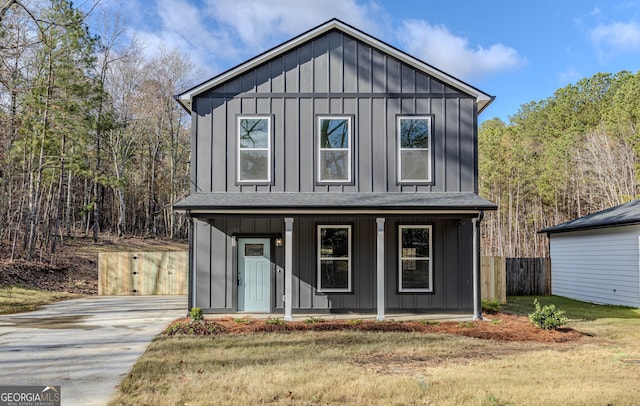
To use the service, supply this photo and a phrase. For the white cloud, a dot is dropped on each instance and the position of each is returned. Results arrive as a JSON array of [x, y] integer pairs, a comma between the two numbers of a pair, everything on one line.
[[217, 34], [262, 24], [437, 46], [569, 75], [616, 38]]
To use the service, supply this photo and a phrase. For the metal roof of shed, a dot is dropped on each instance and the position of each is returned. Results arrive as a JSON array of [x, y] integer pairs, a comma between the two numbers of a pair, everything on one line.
[[624, 214], [483, 99]]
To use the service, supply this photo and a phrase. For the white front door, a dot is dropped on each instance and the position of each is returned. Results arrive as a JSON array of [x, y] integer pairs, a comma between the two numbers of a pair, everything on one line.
[[254, 275]]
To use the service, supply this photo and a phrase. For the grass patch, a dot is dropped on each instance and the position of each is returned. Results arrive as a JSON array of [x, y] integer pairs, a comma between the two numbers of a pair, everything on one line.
[[574, 309], [16, 299], [381, 368]]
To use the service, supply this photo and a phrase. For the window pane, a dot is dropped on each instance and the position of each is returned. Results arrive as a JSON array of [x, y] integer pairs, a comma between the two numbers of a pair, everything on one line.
[[334, 242], [415, 274], [254, 250], [334, 133], [254, 165], [334, 165], [254, 133], [334, 274], [414, 133], [415, 243], [414, 165]]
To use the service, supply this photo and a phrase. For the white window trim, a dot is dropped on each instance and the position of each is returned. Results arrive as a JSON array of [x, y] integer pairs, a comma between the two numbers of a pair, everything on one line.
[[320, 258], [400, 258], [268, 149], [348, 149], [400, 149]]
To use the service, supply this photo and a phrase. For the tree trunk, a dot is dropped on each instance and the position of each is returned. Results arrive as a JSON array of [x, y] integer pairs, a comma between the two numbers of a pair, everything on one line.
[[34, 205]]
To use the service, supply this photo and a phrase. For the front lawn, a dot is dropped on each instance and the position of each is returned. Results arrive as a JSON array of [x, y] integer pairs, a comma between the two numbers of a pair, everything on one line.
[[575, 309], [16, 299], [383, 368]]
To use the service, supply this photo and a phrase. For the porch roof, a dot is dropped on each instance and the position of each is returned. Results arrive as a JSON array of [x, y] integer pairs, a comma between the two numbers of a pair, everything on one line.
[[278, 202]]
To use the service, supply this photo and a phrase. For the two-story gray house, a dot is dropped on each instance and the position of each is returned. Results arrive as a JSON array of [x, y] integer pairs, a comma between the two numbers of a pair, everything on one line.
[[334, 173]]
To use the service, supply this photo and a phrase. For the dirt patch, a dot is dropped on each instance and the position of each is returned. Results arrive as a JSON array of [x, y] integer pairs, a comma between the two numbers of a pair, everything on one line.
[[501, 327], [74, 267]]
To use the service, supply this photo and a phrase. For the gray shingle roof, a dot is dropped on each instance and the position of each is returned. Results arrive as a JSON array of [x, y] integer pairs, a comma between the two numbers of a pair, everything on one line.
[[334, 200], [628, 213]]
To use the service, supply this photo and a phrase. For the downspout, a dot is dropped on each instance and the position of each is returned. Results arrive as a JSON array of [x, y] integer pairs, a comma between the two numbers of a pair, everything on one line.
[[477, 293], [191, 278]]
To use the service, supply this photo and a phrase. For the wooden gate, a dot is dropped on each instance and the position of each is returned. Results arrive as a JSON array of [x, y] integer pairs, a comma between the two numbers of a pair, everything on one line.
[[143, 273], [493, 278]]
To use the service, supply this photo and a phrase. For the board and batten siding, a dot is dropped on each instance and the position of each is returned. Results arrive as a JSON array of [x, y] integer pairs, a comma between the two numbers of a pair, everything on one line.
[[599, 266], [334, 74]]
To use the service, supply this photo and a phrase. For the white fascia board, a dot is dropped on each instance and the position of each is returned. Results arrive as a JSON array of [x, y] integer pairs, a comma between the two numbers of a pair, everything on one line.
[[483, 99]]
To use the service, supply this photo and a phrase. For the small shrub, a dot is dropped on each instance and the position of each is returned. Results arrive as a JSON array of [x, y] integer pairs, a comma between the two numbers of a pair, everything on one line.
[[355, 321], [201, 328], [547, 317], [243, 321], [430, 322], [275, 322], [491, 306], [196, 314], [314, 320], [466, 324], [496, 322]]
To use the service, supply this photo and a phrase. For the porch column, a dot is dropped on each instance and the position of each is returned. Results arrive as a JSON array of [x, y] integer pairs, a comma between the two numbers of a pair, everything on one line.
[[477, 302], [380, 268], [288, 267]]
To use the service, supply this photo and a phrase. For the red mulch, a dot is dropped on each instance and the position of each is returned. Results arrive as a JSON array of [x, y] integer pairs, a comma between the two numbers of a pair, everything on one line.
[[508, 328]]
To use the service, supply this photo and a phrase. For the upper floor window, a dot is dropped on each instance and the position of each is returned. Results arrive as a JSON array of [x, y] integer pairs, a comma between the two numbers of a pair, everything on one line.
[[415, 259], [334, 150], [254, 149], [414, 160], [334, 258]]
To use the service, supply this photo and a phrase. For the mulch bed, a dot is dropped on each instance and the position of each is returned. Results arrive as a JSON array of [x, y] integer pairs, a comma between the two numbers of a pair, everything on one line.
[[502, 327]]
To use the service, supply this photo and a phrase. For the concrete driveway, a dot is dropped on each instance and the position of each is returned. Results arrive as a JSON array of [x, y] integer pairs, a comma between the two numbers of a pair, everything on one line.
[[84, 345]]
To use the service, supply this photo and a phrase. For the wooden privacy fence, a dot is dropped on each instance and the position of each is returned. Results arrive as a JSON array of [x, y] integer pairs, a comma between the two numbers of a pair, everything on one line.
[[143, 273], [493, 278], [528, 276], [502, 277]]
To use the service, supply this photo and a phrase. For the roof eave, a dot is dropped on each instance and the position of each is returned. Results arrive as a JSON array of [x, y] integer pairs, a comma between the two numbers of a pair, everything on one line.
[[553, 230]]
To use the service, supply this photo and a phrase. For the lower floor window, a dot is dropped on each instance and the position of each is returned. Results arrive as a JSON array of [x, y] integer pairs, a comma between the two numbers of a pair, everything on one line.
[[334, 258], [415, 258]]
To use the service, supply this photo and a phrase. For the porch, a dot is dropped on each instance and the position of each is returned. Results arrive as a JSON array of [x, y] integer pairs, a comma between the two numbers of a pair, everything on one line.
[[403, 316]]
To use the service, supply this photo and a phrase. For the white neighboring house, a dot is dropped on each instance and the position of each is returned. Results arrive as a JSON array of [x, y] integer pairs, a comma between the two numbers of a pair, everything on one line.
[[596, 258]]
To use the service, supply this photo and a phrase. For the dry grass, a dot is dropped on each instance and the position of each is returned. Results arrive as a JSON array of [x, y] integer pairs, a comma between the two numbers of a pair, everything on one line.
[[14, 299], [373, 368]]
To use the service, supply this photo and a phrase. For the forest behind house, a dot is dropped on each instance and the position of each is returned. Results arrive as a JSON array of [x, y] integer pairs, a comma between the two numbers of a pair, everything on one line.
[[92, 141]]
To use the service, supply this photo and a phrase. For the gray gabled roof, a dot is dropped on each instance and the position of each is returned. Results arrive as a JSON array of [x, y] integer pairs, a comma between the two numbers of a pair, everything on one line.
[[271, 202], [483, 99], [624, 214]]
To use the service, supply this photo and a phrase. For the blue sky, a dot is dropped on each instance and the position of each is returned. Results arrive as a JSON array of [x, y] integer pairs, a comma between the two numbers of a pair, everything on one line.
[[519, 51]]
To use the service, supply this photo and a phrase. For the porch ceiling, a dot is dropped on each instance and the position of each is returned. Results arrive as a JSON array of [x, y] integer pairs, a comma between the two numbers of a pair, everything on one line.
[[323, 202]]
